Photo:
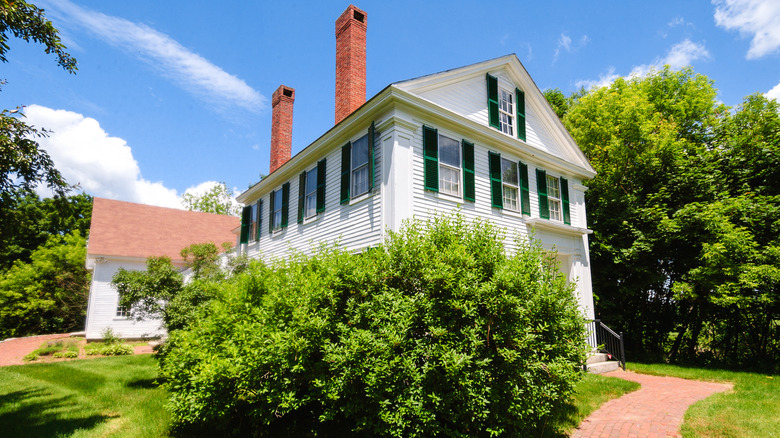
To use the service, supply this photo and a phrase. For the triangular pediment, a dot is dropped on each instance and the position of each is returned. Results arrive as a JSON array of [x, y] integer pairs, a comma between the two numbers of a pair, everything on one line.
[[464, 91]]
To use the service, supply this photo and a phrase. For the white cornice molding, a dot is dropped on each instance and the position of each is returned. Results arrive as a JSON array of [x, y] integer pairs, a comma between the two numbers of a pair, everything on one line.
[[546, 224]]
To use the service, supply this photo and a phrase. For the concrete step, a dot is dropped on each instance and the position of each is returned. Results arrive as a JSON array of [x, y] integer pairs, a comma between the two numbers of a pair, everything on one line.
[[597, 357], [602, 367]]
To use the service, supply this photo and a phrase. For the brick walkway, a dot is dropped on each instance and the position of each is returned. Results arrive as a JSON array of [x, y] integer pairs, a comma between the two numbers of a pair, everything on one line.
[[655, 410]]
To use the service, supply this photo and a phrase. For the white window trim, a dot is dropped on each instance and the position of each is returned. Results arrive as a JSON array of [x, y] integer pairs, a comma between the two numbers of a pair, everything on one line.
[[517, 187], [272, 211], [307, 193], [360, 198], [512, 114], [352, 168], [552, 199], [458, 169]]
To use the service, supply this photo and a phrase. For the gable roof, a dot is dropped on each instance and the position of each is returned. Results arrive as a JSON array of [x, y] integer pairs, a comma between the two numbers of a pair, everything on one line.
[[126, 229]]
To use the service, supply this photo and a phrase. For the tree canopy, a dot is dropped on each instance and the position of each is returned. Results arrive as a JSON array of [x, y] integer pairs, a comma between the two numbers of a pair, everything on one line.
[[216, 200], [684, 212]]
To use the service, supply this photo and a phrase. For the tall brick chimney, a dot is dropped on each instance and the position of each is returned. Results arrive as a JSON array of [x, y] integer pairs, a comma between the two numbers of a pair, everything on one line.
[[281, 126], [350, 61]]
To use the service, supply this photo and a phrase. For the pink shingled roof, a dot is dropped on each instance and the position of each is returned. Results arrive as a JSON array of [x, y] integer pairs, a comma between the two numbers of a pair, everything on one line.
[[135, 230]]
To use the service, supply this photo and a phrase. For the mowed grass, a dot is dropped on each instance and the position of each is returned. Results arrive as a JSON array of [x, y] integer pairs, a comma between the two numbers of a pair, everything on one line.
[[752, 409], [102, 397]]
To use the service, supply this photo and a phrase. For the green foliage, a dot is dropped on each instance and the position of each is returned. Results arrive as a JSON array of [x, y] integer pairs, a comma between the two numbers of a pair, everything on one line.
[[48, 294], [684, 212], [558, 101], [108, 336], [57, 348], [23, 165], [437, 332], [216, 200], [66, 355], [27, 221], [112, 349]]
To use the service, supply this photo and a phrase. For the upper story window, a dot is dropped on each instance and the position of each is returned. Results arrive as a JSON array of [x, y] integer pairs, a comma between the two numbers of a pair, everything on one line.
[[553, 195], [448, 164], [357, 166], [360, 166], [280, 201], [311, 192], [253, 222], [250, 222], [506, 110], [509, 184]]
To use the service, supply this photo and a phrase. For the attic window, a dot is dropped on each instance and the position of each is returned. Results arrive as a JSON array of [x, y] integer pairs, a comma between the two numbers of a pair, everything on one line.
[[359, 17], [287, 92]]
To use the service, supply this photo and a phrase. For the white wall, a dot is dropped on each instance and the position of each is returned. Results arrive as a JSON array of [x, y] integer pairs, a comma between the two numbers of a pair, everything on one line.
[[103, 301]]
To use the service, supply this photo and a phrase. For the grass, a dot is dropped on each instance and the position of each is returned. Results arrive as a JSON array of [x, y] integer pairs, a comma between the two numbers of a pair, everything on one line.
[[752, 409], [591, 392], [103, 397]]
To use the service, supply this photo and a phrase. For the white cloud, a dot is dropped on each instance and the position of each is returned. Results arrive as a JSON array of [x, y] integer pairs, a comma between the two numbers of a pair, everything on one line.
[[676, 21], [202, 188], [774, 93], [185, 68], [759, 18], [680, 55], [102, 165], [565, 43]]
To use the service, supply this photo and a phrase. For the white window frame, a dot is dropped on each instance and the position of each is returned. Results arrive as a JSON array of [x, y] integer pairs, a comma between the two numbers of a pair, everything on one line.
[[448, 168], [362, 168], [508, 186], [122, 311], [310, 194], [277, 224], [253, 223], [506, 111], [554, 202]]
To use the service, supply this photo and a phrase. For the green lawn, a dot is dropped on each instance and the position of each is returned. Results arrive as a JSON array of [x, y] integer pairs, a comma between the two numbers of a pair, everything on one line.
[[83, 398], [752, 409]]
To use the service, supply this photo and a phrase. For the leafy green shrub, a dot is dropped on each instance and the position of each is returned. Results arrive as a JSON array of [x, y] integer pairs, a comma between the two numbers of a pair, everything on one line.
[[29, 357], [437, 332], [66, 354], [114, 349], [109, 337]]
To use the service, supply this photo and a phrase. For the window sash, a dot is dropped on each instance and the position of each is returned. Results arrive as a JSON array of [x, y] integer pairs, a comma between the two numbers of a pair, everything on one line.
[[511, 185], [122, 311], [276, 214], [360, 171], [449, 179], [554, 198], [506, 107]]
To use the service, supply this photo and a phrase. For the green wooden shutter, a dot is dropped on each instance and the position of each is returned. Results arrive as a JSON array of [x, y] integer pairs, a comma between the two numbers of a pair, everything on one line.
[[541, 188], [371, 157], [496, 188], [259, 218], [321, 185], [492, 92], [346, 164], [285, 203], [431, 157], [271, 214], [246, 216], [565, 201], [525, 197], [468, 170], [520, 104], [301, 195]]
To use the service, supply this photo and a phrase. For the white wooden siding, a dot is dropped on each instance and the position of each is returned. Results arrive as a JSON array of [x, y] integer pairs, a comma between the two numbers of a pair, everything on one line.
[[354, 226], [469, 99], [103, 301]]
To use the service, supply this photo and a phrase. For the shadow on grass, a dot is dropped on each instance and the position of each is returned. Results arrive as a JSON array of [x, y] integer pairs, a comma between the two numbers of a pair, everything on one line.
[[143, 383], [37, 414]]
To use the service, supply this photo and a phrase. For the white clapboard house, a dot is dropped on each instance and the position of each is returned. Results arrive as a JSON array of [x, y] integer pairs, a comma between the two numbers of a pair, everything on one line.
[[481, 138]]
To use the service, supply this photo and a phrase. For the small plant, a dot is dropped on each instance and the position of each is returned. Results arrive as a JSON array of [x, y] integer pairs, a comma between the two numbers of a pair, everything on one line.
[[29, 357], [109, 337], [114, 349], [66, 354]]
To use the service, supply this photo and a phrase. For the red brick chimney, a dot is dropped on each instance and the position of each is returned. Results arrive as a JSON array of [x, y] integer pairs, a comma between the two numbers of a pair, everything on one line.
[[281, 126], [350, 62]]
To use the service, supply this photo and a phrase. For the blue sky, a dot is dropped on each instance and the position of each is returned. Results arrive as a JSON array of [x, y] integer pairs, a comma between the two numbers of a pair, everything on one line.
[[172, 96]]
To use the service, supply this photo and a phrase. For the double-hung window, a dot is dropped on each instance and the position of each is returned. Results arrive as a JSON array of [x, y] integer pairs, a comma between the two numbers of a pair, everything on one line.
[[506, 110], [553, 193], [279, 204], [449, 166], [311, 192], [509, 184], [250, 222], [357, 167], [360, 166]]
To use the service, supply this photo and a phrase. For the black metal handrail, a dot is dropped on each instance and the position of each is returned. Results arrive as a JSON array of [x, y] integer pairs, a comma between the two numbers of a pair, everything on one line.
[[603, 338]]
